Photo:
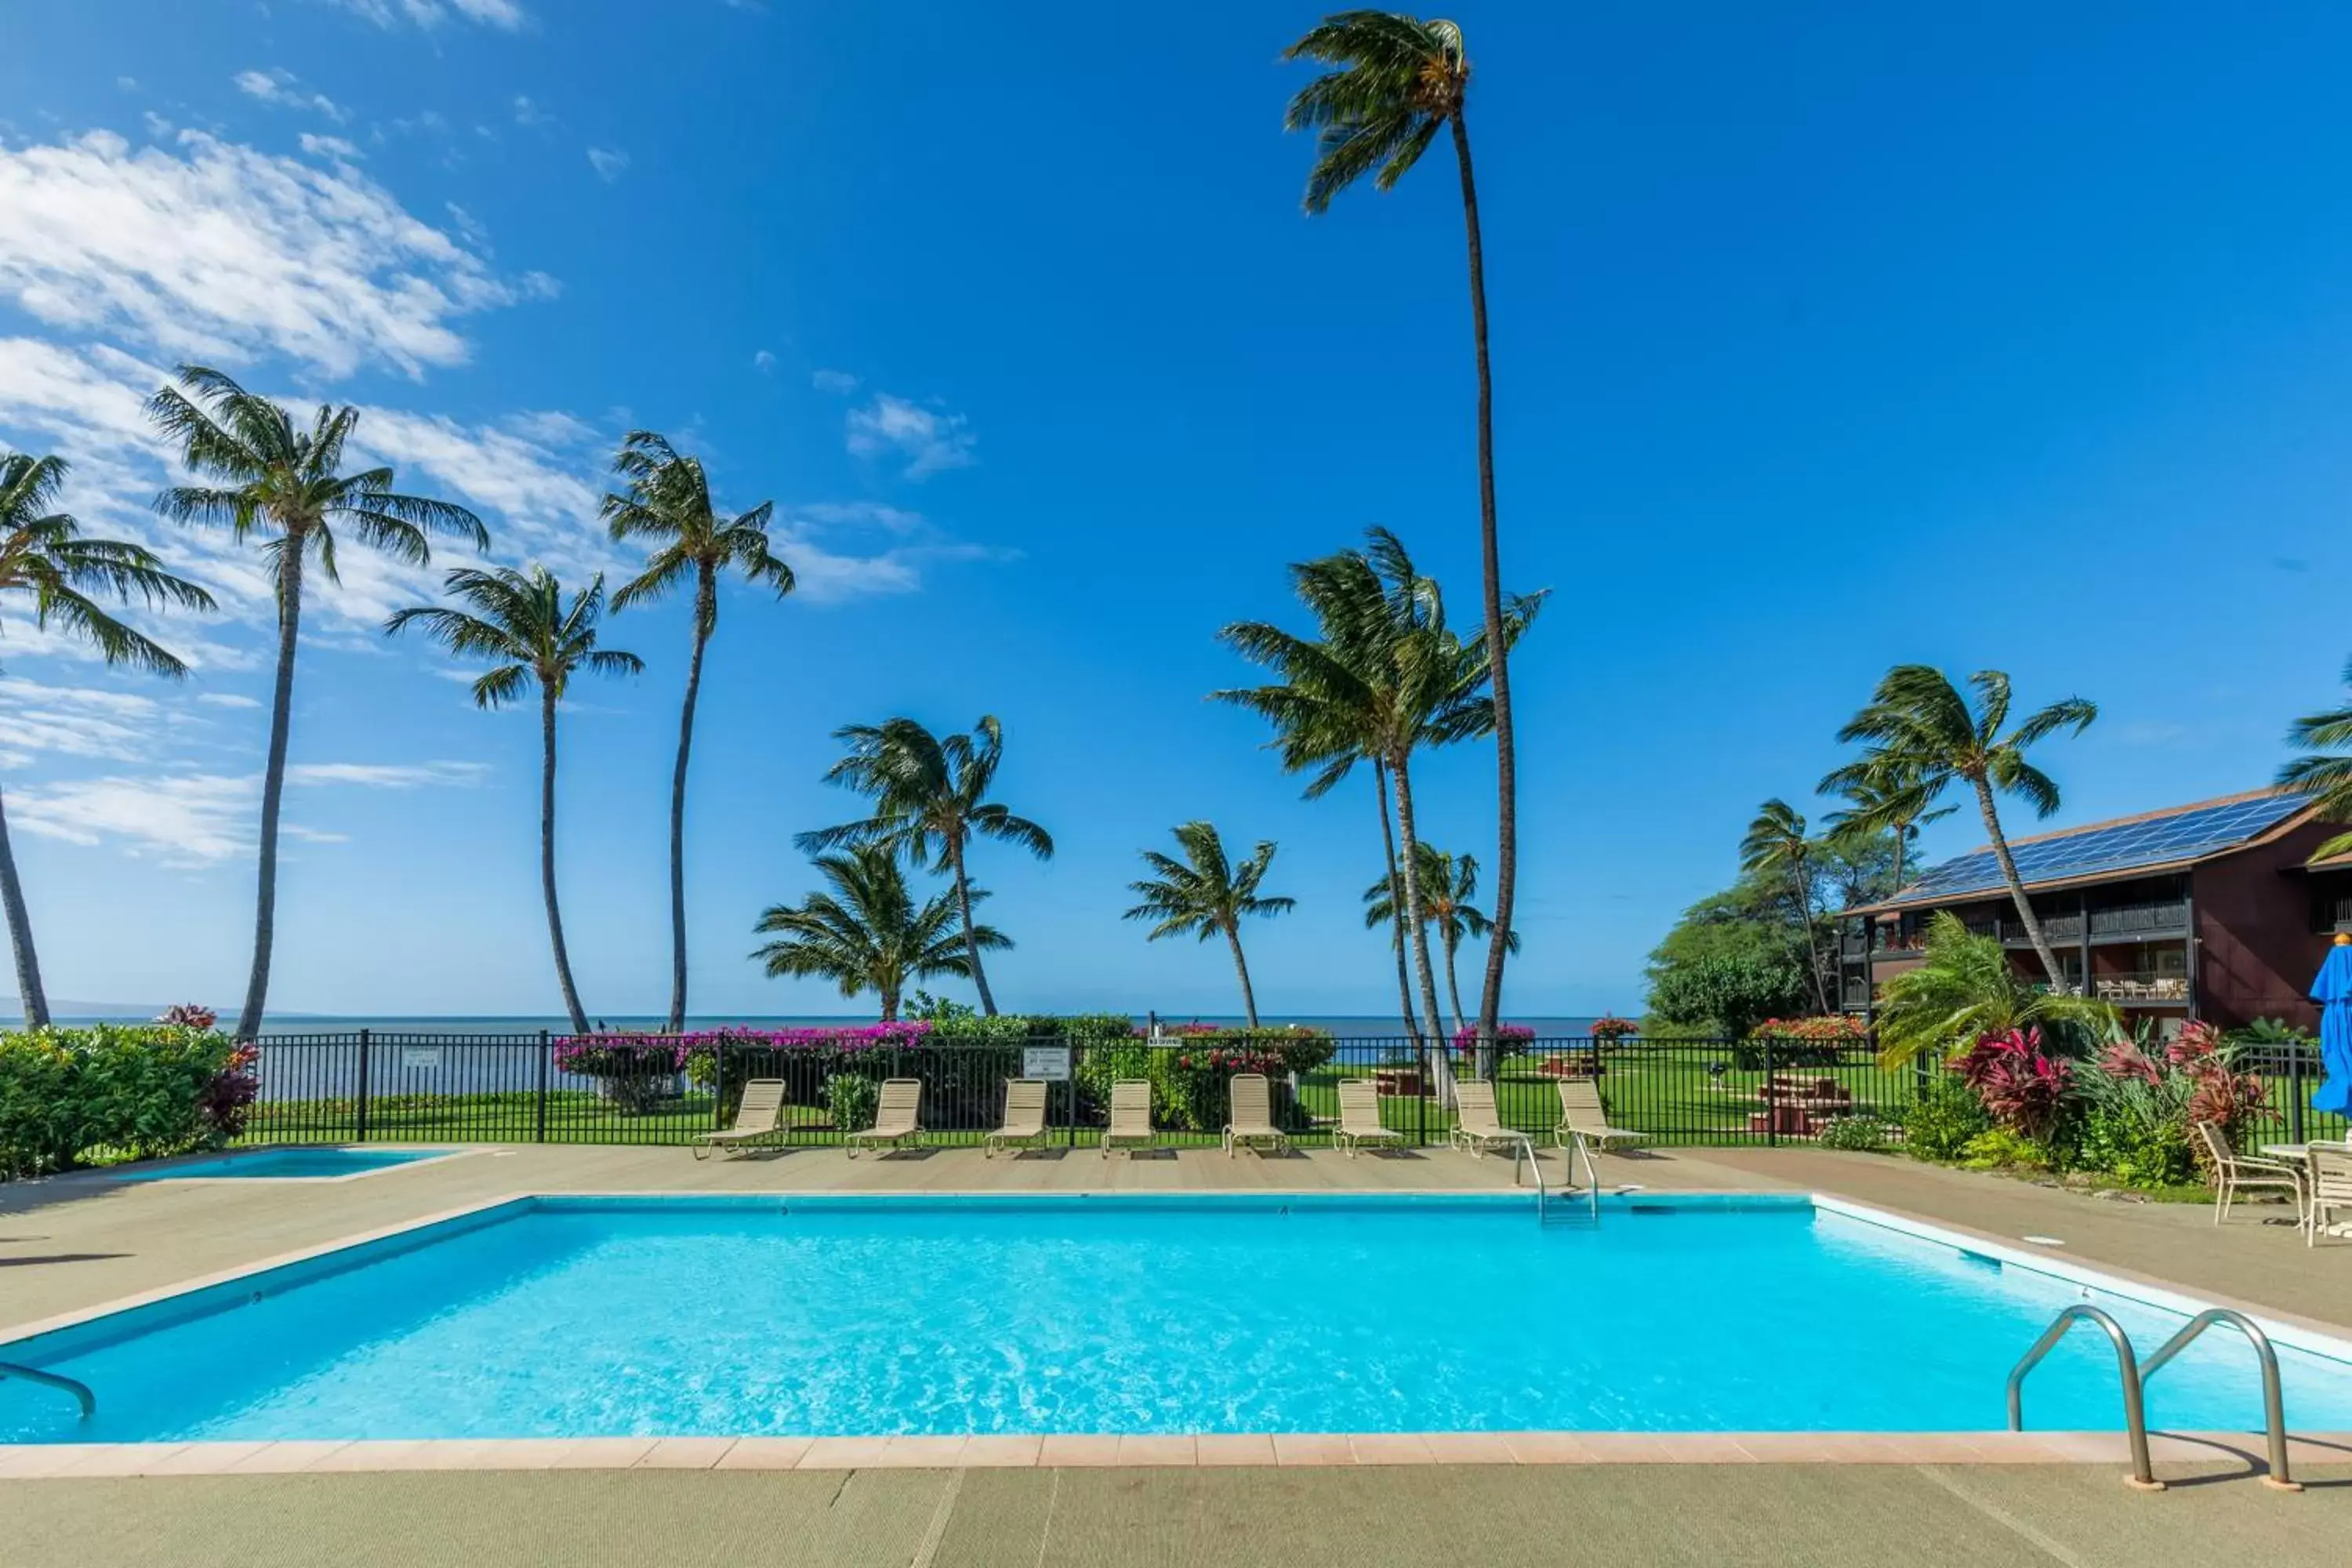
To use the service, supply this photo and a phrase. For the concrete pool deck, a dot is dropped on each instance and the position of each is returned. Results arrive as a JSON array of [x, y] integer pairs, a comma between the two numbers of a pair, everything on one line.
[[73, 1244]]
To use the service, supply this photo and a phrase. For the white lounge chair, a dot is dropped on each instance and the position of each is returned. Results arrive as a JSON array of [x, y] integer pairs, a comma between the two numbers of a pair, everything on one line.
[[2233, 1170], [759, 1118], [1584, 1119], [1130, 1116], [897, 1118], [1024, 1117], [1253, 1110], [2331, 1188], [1359, 1118], [1476, 1125]]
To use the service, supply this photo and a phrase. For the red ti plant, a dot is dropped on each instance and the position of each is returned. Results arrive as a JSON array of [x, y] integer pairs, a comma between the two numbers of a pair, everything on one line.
[[2022, 1088]]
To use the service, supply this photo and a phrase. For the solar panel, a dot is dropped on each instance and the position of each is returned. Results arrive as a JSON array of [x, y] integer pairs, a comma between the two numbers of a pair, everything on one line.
[[2150, 841]]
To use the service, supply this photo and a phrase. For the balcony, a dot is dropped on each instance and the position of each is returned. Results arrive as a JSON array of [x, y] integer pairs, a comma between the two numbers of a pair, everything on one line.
[[2142, 989], [2123, 922]]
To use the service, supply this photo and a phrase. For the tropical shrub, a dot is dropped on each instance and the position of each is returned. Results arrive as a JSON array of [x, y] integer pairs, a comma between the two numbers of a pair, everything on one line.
[[1966, 990], [2023, 1088], [140, 1089], [1940, 1123], [2006, 1149], [1609, 1028], [851, 1098], [1822, 1040], [1862, 1132], [1727, 994], [1510, 1040]]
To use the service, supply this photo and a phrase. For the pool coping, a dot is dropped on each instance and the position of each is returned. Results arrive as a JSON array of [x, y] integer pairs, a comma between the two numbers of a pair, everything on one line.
[[35, 1461]]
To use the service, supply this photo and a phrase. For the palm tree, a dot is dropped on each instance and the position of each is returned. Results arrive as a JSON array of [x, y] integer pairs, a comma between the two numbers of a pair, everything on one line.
[[273, 480], [44, 557], [1399, 79], [1778, 848], [522, 626], [1205, 894], [1922, 729], [930, 799], [1447, 883], [868, 935], [1964, 989], [667, 504], [2327, 775], [1880, 800]]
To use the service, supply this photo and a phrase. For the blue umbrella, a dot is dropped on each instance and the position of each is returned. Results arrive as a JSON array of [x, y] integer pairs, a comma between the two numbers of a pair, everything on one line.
[[2332, 989]]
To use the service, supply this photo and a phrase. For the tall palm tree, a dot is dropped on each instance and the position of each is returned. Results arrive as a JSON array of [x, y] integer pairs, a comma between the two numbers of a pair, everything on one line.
[[1400, 80], [272, 480], [520, 623], [1205, 894], [1777, 847], [45, 558], [867, 935], [2328, 774], [1926, 732], [1447, 883], [666, 504], [931, 800], [1880, 799]]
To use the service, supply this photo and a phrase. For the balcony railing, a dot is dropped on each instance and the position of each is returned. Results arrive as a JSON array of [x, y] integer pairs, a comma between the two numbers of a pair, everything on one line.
[[2131, 920], [2156, 989]]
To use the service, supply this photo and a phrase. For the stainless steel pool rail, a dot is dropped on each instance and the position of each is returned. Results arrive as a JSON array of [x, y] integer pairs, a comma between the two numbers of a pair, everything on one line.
[[2273, 1405], [81, 1391], [1525, 1153]]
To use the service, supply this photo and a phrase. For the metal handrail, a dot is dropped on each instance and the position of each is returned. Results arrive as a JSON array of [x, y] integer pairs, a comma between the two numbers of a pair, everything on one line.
[[1525, 1148], [81, 1391], [2273, 1405], [1591, 1174], [2143, 1474]]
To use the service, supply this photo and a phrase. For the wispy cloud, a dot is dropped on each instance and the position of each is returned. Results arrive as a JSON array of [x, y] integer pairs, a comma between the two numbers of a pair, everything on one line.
[[610, 162], [764, 362], [927, 439], [839, 382], [387, 775], [228, 700], [284, 89], [330, 147], [531, 113], [502, 14]]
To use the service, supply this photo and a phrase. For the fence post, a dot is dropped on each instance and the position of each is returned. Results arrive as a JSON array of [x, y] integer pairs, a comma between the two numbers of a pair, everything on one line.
[[717, 1084], [363, 1107], [1772, 1101], [1423, 1069], [2294, 1095], [539, 1109]]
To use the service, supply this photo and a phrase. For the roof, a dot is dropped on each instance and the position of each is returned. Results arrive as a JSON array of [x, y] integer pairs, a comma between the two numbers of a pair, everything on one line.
[[2102, 851]]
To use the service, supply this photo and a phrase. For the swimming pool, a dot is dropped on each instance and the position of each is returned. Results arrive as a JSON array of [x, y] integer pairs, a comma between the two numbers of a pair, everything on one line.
[[284, 1164], [673, 1316]]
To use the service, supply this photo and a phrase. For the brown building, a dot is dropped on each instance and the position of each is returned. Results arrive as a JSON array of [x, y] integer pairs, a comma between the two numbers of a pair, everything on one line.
[[2211, 911]]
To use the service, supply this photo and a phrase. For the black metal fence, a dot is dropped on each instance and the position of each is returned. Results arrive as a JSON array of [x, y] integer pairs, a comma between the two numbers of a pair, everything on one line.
[[375, 1086]]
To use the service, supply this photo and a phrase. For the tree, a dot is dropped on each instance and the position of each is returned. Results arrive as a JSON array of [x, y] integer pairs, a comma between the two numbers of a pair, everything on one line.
[[667, 504], [1881, 802], [520, 623], [1922, 729], [274, 481], [45, 558], [1778, 847], [1399, 80], [1964, 989], [1447, 884], [1206, 895], [931, 800], [1731, 995], [868, 935], [2328, 774]]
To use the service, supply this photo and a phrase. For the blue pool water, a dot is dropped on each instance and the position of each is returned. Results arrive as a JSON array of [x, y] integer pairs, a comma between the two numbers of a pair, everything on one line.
[[681, 1317], [284, 1163]]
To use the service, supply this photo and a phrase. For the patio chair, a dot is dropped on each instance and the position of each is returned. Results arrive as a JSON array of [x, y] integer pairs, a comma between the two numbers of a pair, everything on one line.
[[758, 1118], [1583, 1117], [1024, 1117], [2331, 1188], [1130, 1116], [2233, 1170], [1359, 1118], [897, 1118], [1476, 1125], [1253, 1110]]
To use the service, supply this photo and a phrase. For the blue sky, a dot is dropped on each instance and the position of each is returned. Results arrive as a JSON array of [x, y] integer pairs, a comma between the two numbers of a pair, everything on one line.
[[1824, 340]]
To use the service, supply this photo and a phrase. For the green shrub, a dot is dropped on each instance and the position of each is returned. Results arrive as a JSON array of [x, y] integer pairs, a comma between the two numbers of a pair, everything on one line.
[[1940, 1125], [1862, 1132], [2001, 1149], [40, 1119], [141, 1089], [2135, 1151], [852, 1097]]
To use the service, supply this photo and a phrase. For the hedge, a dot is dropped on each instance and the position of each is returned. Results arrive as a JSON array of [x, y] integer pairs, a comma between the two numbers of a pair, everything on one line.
[[146, 1090]]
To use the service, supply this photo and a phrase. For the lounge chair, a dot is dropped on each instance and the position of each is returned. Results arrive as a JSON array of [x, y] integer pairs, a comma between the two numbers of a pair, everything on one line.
[[2232, 1171], [1359, 1118], [1583, 1117], [1024, 1117], [1130, 1116], [2331, 1188], [1477, 1127], [897, 1117], [758, 1118], [1253, 1109]]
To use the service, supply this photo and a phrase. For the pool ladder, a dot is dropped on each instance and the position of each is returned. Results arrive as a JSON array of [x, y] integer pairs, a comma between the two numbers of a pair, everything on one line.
[[1524, 1153], [81, 1391], [2134, 1376]]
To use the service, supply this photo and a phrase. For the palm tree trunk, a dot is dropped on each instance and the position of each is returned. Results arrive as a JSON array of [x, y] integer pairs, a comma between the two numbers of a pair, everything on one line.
[[20, 936], [889, 1006], [1801, 903], [971, 939], [547, 859], [273, 785], [1396, 904], [2017, 885], [1507, 777], [1420, 932], [1241, 967], [1453, 984], [1902, 831], [705, 617]]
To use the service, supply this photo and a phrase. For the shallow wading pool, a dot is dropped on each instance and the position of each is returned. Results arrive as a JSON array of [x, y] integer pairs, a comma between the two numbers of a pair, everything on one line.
[[321, 1163], [698, 1316]]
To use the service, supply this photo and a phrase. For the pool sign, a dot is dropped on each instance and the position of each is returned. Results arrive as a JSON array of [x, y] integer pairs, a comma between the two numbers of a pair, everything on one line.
[[424, 1059], [1051, 1063]]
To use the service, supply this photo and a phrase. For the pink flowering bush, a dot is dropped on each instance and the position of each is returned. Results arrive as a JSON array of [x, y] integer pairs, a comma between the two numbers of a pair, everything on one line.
[[2023, 1087], [1509, 1038], [1611, 1028]]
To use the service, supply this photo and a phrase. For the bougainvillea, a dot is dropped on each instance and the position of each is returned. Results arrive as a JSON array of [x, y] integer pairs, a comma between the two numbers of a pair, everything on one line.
[[2023, 1088], [1510, 1037], [1608, 1027]]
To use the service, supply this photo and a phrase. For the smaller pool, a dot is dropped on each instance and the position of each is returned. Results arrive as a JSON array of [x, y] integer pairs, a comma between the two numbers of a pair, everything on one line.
[[286, 1164]]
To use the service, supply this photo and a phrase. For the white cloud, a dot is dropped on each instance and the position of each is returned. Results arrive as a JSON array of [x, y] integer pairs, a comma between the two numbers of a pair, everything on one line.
[[830, 545], [530, 111], [840, 383], [228, 700], [387, 775], [504, 14], [610, 162], [127, 83], [227, 253], [284, 89], [928, 439], [330, 147], [764, 362], [76, 722]]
